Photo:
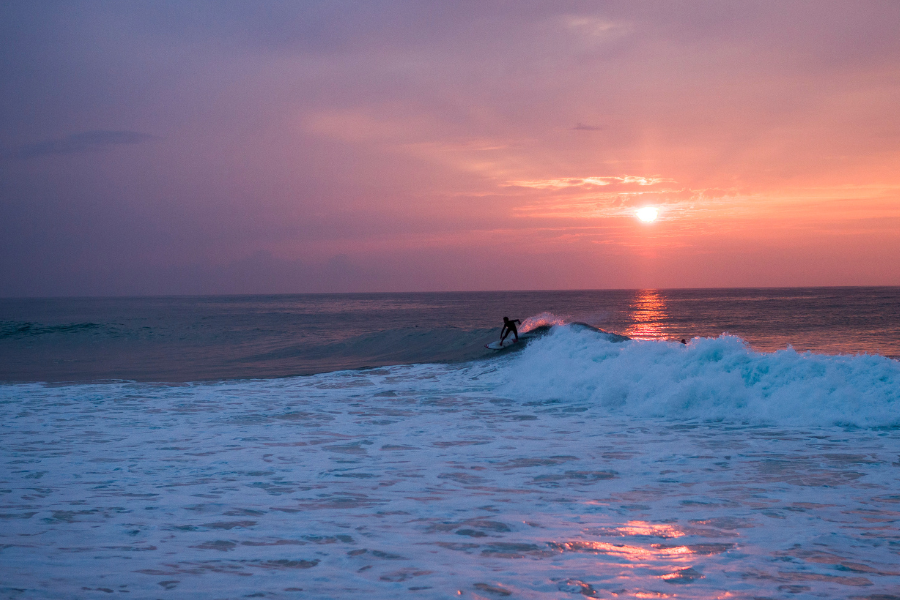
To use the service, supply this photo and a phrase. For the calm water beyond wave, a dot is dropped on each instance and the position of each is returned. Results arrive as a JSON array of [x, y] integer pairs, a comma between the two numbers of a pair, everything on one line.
[[370, 446]]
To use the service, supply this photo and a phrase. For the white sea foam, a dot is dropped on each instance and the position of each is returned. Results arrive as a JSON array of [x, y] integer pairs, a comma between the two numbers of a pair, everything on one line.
[[707, 379], [573, 468]]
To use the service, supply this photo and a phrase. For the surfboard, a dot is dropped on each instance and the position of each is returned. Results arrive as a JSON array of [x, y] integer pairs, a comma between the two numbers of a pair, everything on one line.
[[500, 346]]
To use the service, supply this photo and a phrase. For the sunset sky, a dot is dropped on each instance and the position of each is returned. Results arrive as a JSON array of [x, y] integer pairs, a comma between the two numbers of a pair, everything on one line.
[[191, 147]]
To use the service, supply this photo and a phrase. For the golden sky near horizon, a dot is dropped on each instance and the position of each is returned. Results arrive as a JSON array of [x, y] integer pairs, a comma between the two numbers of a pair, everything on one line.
[[237, 147]]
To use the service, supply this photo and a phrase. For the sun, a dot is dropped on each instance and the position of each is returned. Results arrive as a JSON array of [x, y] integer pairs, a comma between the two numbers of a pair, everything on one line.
[[647, 214]]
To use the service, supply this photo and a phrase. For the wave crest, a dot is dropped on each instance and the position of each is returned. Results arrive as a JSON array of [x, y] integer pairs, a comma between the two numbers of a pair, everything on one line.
[[707, 379]]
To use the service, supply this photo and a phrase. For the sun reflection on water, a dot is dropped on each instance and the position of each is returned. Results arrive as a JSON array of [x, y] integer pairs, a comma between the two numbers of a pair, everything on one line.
[[642, 562], [642, 528], [632, 553], [648, 312]]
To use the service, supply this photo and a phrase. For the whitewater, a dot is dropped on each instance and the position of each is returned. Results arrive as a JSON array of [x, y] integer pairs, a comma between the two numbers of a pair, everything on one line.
[[576, 466]]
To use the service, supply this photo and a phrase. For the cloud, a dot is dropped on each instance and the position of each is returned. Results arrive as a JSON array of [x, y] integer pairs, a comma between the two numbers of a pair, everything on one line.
[[580, 182], [87, 141], [583, 127], [595, 28]]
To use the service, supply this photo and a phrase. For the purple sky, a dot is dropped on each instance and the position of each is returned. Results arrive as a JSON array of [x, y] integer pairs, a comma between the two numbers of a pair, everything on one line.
[[256, 147]]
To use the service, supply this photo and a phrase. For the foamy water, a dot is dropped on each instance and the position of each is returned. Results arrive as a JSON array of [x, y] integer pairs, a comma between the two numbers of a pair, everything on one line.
[[573, 468]]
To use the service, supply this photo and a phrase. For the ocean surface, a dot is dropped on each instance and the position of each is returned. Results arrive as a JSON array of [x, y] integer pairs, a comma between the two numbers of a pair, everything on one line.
[[348, 446], [181, 339]]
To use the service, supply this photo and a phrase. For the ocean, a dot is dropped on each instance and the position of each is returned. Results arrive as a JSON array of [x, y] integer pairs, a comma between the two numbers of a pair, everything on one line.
[[369, 445]]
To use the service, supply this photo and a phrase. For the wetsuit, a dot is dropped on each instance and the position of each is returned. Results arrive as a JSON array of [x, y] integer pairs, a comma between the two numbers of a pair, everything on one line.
[[509, 327]]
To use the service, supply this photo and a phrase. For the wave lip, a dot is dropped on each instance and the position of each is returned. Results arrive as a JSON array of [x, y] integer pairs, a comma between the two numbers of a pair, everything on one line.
[[707, 379]]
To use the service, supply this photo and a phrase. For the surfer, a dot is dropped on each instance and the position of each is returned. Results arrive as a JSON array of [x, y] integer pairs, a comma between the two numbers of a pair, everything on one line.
[[509, 327]]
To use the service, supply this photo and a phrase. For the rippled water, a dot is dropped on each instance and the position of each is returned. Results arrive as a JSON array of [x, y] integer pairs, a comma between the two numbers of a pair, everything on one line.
[[429, 482]]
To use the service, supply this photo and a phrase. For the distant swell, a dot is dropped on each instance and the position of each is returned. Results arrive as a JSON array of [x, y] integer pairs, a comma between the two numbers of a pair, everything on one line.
[[709, 379], [12, 329]]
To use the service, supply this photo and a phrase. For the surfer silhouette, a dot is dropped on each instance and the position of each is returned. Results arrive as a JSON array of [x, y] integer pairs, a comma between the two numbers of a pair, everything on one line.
[[509, 327]]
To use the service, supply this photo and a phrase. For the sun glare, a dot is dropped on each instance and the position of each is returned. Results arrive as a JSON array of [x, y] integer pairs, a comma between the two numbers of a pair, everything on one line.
[[647, 214]]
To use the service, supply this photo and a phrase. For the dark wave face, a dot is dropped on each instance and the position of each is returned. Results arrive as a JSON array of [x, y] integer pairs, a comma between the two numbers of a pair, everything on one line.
[[208, 338], [390, 347]]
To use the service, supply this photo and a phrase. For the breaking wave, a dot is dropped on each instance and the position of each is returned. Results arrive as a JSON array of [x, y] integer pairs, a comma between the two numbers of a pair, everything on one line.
[[707, 379]]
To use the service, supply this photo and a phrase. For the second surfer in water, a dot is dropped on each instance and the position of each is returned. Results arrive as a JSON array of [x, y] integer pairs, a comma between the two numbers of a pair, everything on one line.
[[509, 327]]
